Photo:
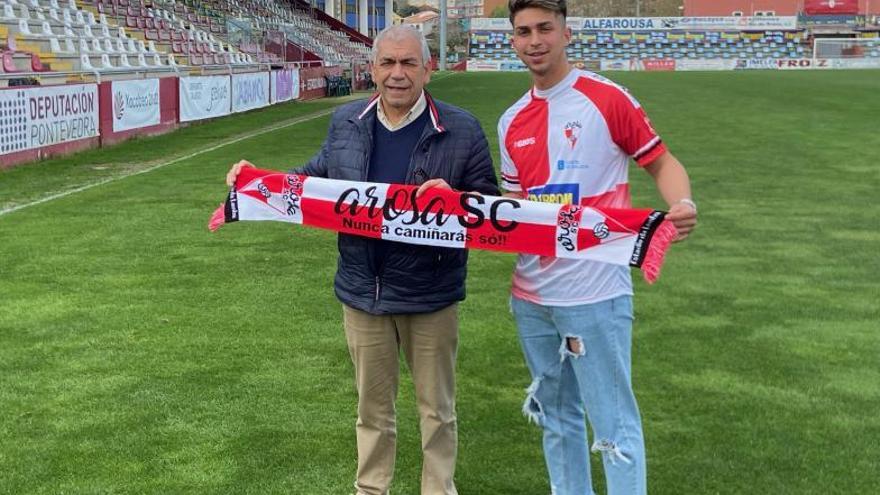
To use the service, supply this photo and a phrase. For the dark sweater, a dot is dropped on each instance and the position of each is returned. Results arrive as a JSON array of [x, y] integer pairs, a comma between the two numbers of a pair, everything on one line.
[[389, 163]]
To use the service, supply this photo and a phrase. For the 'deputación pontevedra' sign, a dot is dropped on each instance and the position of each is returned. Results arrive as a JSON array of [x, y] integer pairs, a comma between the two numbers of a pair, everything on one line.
[[633, 237], [44, 116]]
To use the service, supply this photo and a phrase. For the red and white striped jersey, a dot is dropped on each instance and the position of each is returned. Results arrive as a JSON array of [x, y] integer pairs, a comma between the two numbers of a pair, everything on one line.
[[572, 144]]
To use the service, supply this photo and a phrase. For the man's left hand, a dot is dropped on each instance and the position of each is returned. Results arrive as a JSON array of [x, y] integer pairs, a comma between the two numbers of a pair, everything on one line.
[[684, 218]]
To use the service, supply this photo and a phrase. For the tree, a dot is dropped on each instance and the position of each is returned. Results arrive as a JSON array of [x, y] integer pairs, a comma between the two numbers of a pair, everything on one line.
[[408, 10], [500, 11]]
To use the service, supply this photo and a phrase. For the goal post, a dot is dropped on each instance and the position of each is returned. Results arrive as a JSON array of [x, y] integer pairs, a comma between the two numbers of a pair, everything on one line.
[[846, 48]]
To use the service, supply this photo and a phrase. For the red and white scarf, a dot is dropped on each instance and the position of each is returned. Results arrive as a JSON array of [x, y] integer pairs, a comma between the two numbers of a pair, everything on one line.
[[440, 217]]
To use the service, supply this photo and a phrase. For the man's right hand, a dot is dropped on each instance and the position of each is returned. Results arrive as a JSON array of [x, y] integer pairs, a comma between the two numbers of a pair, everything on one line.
[[234, 171]]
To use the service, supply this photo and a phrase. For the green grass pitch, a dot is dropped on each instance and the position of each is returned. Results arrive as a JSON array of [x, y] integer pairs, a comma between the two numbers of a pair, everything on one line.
[[140, 353]]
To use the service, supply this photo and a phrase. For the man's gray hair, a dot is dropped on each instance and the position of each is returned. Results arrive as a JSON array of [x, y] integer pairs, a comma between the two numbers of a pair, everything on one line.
[[397, 32]]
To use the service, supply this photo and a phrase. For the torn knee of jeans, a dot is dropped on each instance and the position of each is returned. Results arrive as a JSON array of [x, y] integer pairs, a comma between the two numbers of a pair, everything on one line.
[[572, 346], [611, 450], [532, 407]]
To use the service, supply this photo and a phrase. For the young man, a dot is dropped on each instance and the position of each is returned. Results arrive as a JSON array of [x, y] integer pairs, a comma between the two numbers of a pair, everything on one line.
[[401, 297], [570, 139]]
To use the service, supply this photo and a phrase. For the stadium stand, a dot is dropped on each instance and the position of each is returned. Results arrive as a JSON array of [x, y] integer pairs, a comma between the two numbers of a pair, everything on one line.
[[676, 39], [620, 45], [120, 36]]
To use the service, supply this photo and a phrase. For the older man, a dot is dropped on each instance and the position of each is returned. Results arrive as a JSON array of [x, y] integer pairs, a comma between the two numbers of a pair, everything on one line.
[[398, 296]]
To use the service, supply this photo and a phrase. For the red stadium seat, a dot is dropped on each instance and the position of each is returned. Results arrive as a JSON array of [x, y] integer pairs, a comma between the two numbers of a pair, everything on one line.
[[9, 63], [37, 64]]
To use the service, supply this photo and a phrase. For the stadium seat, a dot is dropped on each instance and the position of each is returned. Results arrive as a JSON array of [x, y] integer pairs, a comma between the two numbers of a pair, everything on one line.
[[85, 63], [24, 28], [9, 63]]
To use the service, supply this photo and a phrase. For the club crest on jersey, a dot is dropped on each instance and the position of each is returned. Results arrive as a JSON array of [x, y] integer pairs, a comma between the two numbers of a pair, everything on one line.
[[572, 131]]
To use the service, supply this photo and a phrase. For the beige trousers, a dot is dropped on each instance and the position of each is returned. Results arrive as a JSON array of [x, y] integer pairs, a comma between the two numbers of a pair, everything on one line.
[[429, 342]]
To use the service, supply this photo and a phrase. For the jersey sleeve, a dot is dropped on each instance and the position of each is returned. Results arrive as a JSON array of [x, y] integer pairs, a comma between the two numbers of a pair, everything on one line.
[[632, 130], [509, 173]]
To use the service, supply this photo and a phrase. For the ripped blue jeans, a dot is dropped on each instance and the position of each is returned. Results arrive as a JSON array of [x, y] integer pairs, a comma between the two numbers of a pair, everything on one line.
[[595, 381]]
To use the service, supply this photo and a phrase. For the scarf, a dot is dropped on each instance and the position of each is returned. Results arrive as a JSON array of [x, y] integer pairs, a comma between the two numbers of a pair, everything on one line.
[[441, 217]]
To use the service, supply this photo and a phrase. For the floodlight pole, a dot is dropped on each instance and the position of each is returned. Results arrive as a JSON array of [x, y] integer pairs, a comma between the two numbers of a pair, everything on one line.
[[638, 8], [443, 34]]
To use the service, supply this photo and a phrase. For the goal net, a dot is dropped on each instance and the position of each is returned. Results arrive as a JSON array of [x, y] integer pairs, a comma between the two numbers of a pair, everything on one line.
[[846, 48]]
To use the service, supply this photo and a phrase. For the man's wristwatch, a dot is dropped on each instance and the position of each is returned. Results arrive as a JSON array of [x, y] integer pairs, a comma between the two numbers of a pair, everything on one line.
[[689, 202]]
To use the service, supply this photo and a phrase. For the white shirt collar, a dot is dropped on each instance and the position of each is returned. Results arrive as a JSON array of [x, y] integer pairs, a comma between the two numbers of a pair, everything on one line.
[[407, 119]]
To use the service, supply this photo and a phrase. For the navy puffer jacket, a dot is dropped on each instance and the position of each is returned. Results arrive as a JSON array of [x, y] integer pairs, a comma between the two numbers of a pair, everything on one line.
[[413, 279]]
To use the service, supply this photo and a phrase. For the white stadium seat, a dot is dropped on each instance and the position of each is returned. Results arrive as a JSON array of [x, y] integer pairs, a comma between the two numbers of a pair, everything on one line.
[[24, 28], [85, 63]]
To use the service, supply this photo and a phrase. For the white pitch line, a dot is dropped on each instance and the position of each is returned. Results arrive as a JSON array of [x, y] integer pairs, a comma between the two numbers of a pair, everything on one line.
[[319, 114]]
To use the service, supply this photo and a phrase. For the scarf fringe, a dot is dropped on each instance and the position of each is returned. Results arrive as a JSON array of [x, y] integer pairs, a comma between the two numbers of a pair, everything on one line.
[[218, 218], [660, 241]]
